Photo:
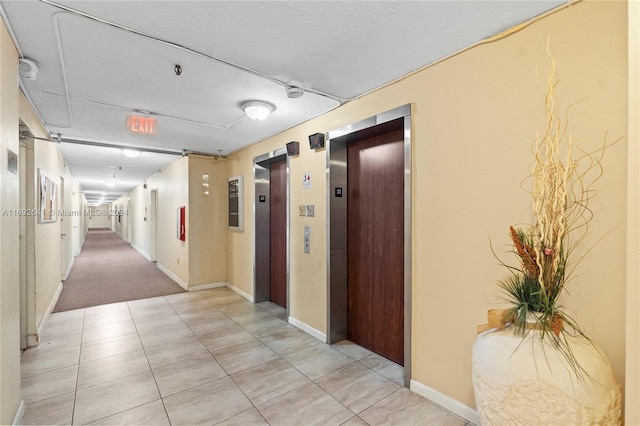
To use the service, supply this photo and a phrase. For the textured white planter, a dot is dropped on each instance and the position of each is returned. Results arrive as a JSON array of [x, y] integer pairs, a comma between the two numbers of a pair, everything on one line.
[[528, 382]]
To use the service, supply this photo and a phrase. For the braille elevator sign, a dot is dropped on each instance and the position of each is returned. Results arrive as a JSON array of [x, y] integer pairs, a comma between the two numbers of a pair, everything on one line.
[[141, 124]]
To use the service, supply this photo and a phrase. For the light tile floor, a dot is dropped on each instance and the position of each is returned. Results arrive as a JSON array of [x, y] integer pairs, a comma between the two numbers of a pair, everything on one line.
[[208, 357]]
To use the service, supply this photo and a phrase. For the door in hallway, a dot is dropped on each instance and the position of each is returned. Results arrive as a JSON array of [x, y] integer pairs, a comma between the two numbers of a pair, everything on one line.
[[375, 248], [278, 232]]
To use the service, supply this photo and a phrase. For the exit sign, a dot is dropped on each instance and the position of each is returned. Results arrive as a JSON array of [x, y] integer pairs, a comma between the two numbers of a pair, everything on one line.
[[141, 124]]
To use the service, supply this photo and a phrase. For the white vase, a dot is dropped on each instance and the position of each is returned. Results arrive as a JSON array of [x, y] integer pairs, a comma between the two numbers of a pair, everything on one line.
[[529, 382]]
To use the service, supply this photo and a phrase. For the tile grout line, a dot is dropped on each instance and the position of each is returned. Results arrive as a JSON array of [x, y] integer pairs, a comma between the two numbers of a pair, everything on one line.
[[75, 392]]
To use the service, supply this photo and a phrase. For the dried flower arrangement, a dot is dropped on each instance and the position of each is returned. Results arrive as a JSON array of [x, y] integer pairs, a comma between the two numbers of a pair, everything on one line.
[[561, 188]]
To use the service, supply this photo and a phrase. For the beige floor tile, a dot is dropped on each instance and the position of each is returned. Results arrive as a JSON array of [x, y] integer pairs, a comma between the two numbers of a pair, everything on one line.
[[357, 387], [42, 358], [404, 407], [154, 321], [150, 307], [103, 332], [274, 309], [251, 417], [267, 326], [106, 309], [174, 351], [187, 373], [244, 355], [221, 296], [226, 338], [58, 340], [166, 334], [355, 421], [384, 367], [152, 413], [151, 302], [209, 323], [318, 360], [207, 404], [352, 350], [109, 398], [289, 340], [247, 313], [65, 315], [37, 387], [183, 298], [107, 318], [64, 326], [56, 410], [110, 368], [304, 406], [109, 347], [199, 306], [267, 381]]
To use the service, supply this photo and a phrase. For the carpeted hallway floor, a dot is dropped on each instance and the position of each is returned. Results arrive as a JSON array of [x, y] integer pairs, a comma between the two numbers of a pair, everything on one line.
[[109, 270]]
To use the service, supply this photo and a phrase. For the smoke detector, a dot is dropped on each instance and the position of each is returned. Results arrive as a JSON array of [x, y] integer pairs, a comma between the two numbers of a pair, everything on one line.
[[294, 92], [28, 68]]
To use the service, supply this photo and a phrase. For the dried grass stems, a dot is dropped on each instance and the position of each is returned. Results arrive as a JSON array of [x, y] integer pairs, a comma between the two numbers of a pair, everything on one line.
[[562, 185]]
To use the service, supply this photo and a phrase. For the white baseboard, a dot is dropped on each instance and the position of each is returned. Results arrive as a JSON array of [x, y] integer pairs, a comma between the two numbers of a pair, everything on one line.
[[446, 402], [142, 252], [206, 286], [308, 329], [240, 292], [68, 271], [17, 420], [47, 313], [173, 276]]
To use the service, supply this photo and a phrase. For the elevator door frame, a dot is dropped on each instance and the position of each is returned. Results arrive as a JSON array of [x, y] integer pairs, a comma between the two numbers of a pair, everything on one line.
[[337, 229], [261, 228]]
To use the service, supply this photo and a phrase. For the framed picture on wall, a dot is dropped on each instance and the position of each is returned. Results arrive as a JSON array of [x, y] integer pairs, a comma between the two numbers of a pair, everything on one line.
[[235, 202], [47, 198]]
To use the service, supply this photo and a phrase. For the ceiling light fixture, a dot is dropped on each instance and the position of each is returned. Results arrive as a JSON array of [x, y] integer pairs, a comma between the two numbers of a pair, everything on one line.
[[257, 110], [131, 153]]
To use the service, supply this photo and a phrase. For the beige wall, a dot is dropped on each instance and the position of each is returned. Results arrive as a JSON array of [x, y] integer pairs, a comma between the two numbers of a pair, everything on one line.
[[200, 261], [475, 116], [173, 191], [54, 253], [206, 234], [99, 216], [9, 270], [632, 380]]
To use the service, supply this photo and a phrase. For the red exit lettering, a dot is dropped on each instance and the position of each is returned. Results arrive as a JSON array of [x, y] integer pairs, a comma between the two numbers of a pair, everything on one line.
[[140, 124]]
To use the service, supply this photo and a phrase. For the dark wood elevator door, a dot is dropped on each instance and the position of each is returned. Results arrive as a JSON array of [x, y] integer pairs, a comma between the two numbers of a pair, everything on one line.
[[278, 232], [375, 248]]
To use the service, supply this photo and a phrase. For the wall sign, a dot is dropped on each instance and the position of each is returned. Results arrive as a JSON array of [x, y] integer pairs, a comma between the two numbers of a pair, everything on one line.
[[235, 201], [141, 124], [306, 180]]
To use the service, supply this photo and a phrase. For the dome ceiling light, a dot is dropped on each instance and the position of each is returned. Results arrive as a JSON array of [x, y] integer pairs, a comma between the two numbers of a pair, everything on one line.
[[257, 110]]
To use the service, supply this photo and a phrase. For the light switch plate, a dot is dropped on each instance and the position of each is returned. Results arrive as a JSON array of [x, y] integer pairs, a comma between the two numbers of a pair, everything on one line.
[[302, 209], [310, 210]]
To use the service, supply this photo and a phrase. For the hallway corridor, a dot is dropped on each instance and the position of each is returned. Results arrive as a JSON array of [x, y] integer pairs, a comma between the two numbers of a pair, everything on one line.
[[109, 270], [208, 357]]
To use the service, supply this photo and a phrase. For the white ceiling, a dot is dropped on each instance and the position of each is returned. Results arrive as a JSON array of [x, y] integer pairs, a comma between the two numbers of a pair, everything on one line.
[[100, 61]]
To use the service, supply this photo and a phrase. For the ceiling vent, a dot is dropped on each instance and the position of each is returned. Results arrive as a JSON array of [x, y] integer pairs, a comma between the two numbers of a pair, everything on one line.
[[28, 68]]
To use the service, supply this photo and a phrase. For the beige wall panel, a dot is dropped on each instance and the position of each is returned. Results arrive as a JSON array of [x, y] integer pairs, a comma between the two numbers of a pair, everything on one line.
[[475, 117], [9, 267], [173, 191], [632, 373], [206, 234]]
